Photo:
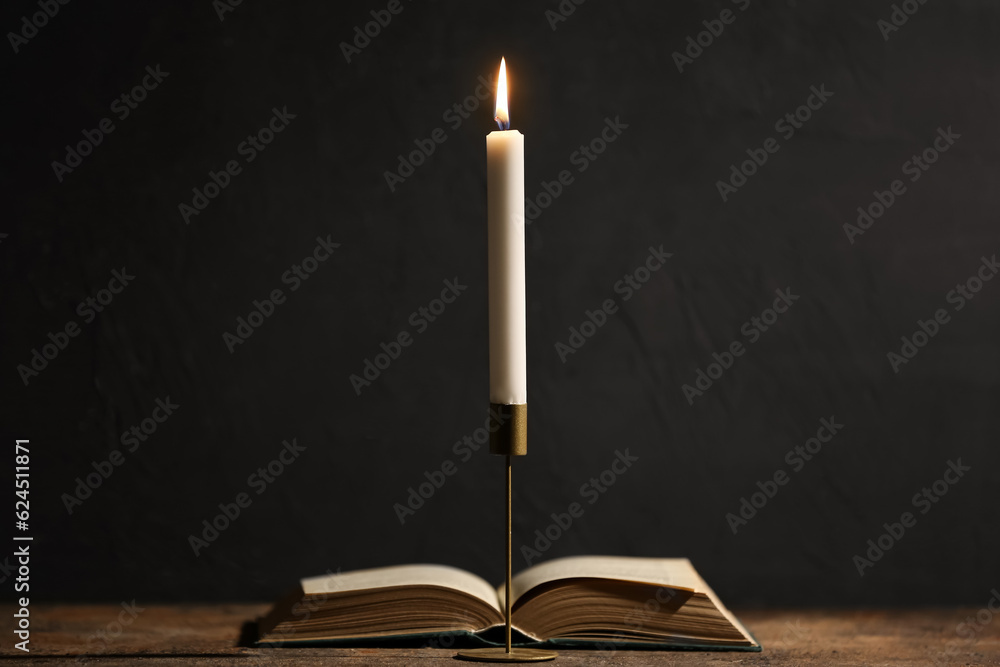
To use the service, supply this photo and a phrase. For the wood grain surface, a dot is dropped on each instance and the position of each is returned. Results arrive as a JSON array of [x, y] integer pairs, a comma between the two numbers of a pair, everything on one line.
[[216, 635]]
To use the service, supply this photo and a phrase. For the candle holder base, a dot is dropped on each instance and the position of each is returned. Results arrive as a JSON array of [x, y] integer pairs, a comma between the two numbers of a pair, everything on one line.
[[503, 654]]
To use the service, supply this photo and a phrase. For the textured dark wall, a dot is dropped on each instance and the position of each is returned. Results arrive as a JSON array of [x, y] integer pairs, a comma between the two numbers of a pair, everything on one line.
[[655, 185]]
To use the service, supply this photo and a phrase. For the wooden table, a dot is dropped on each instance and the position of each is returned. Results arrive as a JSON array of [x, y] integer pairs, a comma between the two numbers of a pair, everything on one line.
[[212, 634]]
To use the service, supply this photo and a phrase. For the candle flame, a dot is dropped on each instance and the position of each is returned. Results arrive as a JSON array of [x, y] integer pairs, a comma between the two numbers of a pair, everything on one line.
[[502, 116]]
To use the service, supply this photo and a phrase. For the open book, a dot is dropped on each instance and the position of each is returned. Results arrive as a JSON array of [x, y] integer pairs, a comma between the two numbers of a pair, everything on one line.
[[599, 601]]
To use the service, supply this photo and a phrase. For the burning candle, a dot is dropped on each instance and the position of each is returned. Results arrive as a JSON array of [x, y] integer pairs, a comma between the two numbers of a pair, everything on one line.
[[505, 236]]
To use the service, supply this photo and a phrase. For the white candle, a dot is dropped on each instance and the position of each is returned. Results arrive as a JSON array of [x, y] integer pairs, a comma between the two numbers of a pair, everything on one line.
[[505, 237]]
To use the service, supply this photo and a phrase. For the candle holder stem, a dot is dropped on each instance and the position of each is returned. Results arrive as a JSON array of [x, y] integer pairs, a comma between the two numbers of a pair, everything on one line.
[[509, 439], [506, 588]]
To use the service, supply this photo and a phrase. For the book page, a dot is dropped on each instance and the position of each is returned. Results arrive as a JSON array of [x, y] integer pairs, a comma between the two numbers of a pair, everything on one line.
[[403, 575], [674, 572]]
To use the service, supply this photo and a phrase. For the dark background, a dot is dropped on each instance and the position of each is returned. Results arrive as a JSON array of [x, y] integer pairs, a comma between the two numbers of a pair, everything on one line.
[[655, 185]]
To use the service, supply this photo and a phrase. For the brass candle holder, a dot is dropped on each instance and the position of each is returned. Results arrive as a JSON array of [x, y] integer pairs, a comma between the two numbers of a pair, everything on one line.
[[510, 439]]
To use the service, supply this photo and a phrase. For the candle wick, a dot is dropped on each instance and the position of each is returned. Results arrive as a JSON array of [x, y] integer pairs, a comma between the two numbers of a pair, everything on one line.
[[502, 124]]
